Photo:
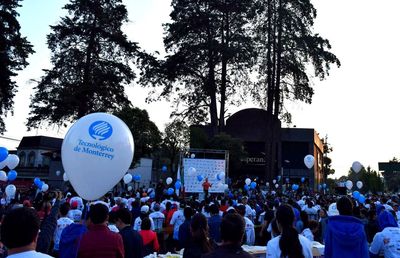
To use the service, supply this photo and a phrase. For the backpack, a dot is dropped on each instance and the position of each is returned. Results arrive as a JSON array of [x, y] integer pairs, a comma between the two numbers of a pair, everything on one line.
[[69, 241]]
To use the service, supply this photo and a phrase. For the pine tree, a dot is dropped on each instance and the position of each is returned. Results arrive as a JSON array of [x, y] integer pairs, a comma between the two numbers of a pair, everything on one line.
[[14, 51], [91, 59]]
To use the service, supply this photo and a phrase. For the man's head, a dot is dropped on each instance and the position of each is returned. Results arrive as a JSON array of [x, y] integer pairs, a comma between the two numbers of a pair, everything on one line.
[[241, 209], [64, 209], [146, 223], [20, 228], [187, 212], [123, 218], [232, 228], [98, 213], [214, 209], [206, 179], [345, 206]]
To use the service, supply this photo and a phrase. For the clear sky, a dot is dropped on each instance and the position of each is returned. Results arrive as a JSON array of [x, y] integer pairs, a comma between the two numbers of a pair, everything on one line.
[[355, 106]]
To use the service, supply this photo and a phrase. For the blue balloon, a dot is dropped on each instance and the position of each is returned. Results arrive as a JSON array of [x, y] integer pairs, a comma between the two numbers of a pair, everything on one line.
[[230, 195], [164, 168], [178, 185], [324, 185], [12, 175], [303, 179], [137, 177], [295, 187], [40, 184], [199, 178], [3, 154], [253, 185], [246, 187], [279, 178], [361, 199], [356, 195], [170, 191], [36, 181]]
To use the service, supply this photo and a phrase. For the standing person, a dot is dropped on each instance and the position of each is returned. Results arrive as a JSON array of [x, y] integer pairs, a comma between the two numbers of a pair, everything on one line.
[[345, 235], [184, 229], [214, 223], [62, 223], [19, 233], [206, 186], [99, 241], [150, 241], [177, 220], [289, 243], [249, 226], [232, 232], [133, 243], [144, 213], [157, 217], [199, 243], [388, 240], [74, 213]]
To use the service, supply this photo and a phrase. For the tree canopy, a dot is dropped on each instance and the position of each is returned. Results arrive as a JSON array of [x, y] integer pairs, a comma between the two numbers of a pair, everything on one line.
[[14, 51], [91, 59]]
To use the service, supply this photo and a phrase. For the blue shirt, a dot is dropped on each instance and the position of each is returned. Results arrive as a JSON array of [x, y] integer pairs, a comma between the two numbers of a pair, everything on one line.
[[214, 223]]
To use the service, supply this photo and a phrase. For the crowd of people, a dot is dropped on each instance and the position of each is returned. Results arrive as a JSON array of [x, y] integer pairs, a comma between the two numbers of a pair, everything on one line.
[[145, 221]]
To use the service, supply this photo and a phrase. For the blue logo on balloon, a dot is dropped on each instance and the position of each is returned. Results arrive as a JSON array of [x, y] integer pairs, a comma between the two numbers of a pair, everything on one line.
[[100, 130]]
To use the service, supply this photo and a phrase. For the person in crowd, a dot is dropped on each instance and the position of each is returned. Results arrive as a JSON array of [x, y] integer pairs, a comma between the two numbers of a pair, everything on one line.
[[232, 232], [199, 243], [345, 235], [323, 218], [372, 226], [388, 240], [19, 233], [310, 230], [206, 187], [310, 210], [74, 213], [214, 223], [250, 212], [133, 243], [184, 229], [176, 221], [265, 221], [249, 226], [62, 223], [135, 210], [150, 241], [157, 217], [144, 213], [289, 243], [99, 241], [112, 220]]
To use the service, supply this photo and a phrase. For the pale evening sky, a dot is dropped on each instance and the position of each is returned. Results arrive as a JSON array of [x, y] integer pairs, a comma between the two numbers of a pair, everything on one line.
[[355, 106]]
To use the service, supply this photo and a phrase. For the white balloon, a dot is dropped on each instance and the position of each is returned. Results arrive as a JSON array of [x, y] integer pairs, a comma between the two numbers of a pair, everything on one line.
[[169, 181], [130, 188], [127, 178], [45, 187], [247, 181], [309, 161], [96, 153], [359, 184], [356, 166], [276, 186], [193, 156], [226, 186], [10, 190], [192, 171], [58, 173], [65, 177], [274, 181], [3, 176], [12, 161], [349, 184], [267, 183]]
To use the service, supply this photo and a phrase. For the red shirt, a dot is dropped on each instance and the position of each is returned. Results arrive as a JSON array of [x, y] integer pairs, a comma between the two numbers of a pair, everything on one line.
[[206, 185], [100, 242], [149, 236]]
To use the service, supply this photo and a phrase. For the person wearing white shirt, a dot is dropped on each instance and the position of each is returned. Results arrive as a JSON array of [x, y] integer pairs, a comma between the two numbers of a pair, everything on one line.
[[75, 214], [289, 242], [388, 240], [177, 220], [137, 225], [158, 218], [62, 223], [79, 201], [250, 213], [19, 233], [249, 226]]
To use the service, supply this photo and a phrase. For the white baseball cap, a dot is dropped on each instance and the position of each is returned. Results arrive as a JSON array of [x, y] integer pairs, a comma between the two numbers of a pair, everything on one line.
[[144, 209], [333, 211]]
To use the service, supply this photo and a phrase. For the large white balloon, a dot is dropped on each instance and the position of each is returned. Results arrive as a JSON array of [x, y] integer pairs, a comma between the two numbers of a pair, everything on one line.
[[359, 184], [3, 176], [356, 166], [65, 177], [10, 191], [127, 178], [247, 181], [45, 187], [12, 161], [309, 161], [192, 171], [349, 184], [168, 181], [96, 153]]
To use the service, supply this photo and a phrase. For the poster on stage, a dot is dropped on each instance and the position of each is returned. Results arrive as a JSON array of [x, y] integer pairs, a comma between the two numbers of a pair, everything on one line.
[[207, 168]]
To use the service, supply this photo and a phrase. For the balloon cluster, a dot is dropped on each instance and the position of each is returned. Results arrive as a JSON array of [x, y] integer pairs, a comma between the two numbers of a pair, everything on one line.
[[40, 184], [253, 185], [220, 176], [359, 197], [8, 160]]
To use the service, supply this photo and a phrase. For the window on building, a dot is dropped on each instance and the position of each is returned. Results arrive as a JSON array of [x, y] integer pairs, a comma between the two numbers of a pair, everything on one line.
[[31, 159], [22, 158], [46, 161]]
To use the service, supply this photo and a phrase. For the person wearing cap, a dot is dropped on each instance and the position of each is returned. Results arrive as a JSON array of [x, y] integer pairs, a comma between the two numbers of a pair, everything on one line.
[[345, 235], [157, 217], [99, 241], [74, 213], [144, 212], [178, 218], [388, 240]]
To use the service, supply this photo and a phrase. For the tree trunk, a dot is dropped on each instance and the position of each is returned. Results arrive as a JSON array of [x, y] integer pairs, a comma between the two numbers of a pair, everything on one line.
[[278, 90], [270, 90], [211, 86], [224, 63]]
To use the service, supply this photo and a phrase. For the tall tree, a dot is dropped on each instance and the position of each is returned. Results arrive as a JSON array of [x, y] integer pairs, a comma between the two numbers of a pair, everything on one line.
[[14, 51], [209, 54], [175, 139], [91, 59], [288, 50]]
